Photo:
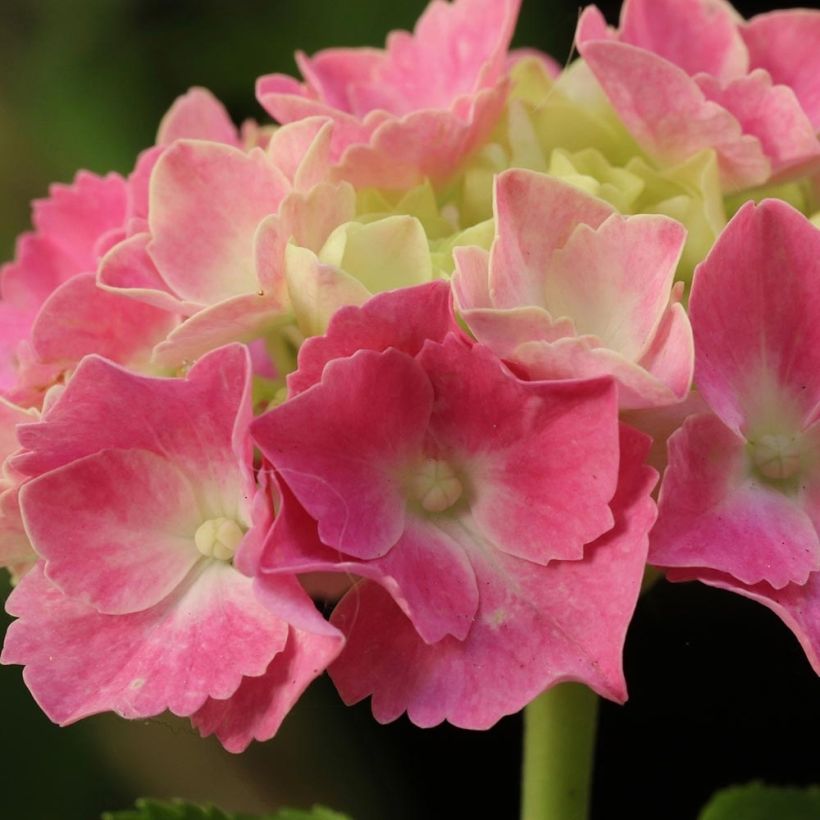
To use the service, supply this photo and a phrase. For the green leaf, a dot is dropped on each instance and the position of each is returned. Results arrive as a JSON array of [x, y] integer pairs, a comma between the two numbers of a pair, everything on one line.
[[759, 802], [147, 809]]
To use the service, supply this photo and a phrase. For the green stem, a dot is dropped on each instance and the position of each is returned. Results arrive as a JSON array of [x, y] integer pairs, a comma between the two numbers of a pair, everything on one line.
[[559, 745]]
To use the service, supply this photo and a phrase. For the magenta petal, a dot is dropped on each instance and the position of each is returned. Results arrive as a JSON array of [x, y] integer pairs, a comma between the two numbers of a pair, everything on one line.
[[785, 44], [403, 319], [340, 445], [116, 528], [755, 310], [542, 458], [197, 644], [258, 707], [535, 215], [536, 626], [714, 514]]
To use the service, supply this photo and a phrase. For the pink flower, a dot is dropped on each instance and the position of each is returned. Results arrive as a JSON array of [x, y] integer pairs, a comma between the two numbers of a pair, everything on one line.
[[687, 75], [740, 500], [504, 522], [414, 109], [139, 492], [570, 289]]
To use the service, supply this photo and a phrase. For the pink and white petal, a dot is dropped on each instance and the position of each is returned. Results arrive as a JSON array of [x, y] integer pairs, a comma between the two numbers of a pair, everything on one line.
[[128, 270], [471, 279], [16, 553], [755, 312], [290, 143], [535, 215], [536, 627], [318, 291], [79, 319], [541, 460], [698, 36], [668, 114], [583, 357], [798, 606], [403, 319], [310, 217], [784, 43], [341, 445], [773, 114], [199, 643], [258, 707], [206, 202], [198, 422], [197, 114], [75, 216], [15, 326], [10, 416], [39, 267], [331, 73], [116, 529], [713, 514], [615, 281], [238, 319]]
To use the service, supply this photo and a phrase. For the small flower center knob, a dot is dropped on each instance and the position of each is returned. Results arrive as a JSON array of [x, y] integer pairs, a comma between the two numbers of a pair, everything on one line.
[[777, 456], [218, 538], [435, 486]]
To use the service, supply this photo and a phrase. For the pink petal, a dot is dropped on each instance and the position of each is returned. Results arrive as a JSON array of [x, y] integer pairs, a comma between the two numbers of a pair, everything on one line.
[[258, 707], [197, 115], [755, 311], [535, 215], [116, 528], [668, 114], [536, 626], [199, 643], [774, 116], [713, 514], [207, 201], [366, 419], [698, 35], [784, 43], [515, 440], [403, 319]]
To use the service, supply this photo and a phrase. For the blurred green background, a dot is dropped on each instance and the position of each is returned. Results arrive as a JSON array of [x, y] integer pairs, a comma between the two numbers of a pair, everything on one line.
[[720, 690]]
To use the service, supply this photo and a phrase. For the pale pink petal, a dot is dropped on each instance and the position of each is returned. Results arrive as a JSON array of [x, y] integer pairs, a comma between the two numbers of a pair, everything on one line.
[[207, 201], [79, 319], [198, 643], [75, 216], [773, 115], [367, 418], [614, 281], [289, 144], [258, 707], [697, 35], [116, 529], [334, 71], [16, 553], [713, 513], [39, 267], [668, 114], [536, 626], [403, 319], [535, 215], [516, 439], [785, 44], [197, 115], [755, 310]]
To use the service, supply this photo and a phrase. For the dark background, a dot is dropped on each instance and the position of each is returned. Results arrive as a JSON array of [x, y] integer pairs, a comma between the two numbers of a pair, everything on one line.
[[720, 690]]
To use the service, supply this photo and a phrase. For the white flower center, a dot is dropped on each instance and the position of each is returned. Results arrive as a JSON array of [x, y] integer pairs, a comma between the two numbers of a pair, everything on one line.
[[218, 538], [777, 455], [435, 486]]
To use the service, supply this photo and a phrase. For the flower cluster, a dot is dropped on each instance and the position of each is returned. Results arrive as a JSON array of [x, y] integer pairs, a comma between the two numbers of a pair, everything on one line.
[[405, 353]]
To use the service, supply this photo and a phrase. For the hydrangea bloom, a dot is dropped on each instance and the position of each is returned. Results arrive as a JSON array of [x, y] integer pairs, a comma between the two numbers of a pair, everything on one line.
[[572, 290], [739, 501], [416, 457], [138, 493], [413, 110], [682, 78]]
